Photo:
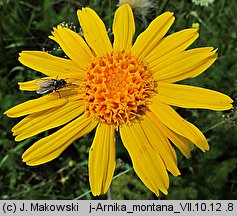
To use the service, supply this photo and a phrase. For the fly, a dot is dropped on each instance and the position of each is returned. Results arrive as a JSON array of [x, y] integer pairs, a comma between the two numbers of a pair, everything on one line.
[[49, 85]]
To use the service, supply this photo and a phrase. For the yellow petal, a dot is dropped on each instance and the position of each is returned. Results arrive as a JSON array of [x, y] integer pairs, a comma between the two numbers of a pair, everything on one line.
[[185, 65], [183, 144], [147, 41], [176, 123], [159, 143], [37, 105], [102, 159], [192, 97], [41, 121], [73, 45], [50, 147], [146, 162], [28, 86], [171, 45], [123, 28], [49, 65], [94, 31]]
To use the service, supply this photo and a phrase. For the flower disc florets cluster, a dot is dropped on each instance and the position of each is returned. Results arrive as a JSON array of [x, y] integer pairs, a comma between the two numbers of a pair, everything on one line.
[[116, 87]]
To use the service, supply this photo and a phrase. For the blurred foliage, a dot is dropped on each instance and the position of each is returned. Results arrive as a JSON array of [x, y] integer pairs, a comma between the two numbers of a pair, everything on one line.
[[25, 25]]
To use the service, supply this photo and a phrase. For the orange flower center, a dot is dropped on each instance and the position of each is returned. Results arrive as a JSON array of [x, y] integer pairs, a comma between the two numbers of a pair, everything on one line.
[[117, 86]]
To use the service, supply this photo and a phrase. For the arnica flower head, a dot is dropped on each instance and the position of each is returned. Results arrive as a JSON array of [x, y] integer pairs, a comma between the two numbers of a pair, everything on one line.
[[119, 87]]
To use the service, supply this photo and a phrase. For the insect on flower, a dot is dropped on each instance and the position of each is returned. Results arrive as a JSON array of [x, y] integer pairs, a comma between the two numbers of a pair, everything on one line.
[[49, 85]]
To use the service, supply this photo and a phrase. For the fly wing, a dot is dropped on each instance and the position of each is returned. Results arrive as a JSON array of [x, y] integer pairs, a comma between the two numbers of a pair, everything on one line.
[[44, 90], [44, 83], [39, 82]]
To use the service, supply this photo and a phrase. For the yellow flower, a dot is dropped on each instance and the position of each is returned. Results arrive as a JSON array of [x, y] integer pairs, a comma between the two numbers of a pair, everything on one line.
[[120, 87]]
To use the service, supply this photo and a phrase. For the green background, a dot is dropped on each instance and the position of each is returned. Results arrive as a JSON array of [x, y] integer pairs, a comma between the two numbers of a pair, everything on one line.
[[26, 25]]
